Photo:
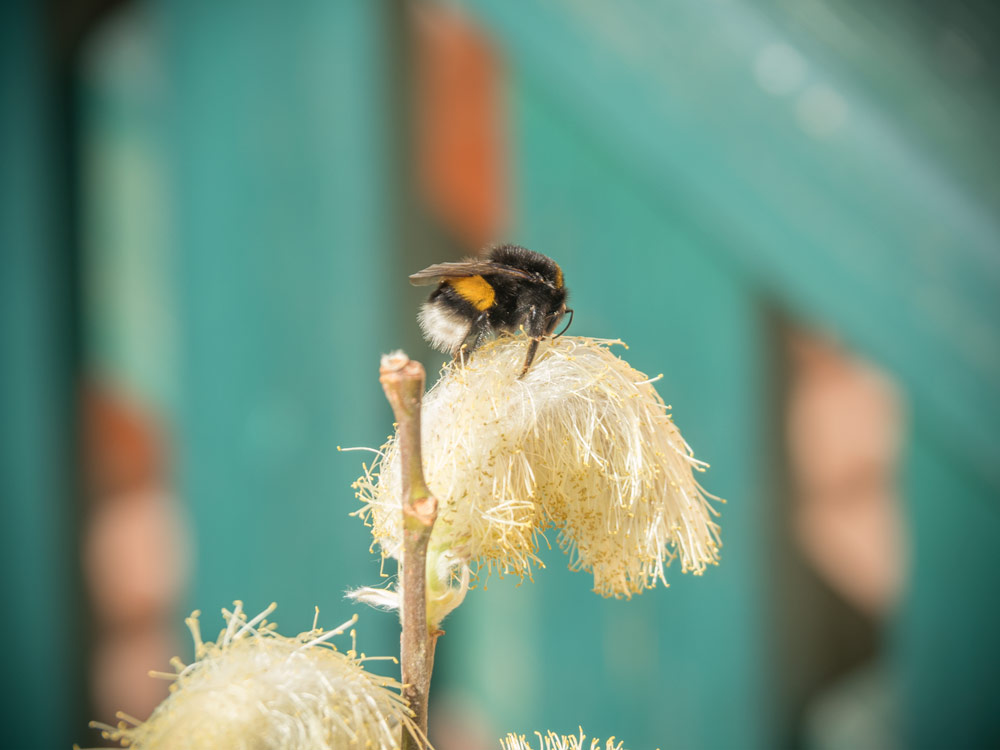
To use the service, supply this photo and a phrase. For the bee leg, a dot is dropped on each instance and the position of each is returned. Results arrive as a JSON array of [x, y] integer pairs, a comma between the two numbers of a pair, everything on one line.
[[460, 352], [532, 348], [483, 334], [536, 330]]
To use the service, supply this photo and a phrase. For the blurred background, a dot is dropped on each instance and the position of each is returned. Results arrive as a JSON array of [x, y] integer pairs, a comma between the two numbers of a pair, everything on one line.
[[208, 211]]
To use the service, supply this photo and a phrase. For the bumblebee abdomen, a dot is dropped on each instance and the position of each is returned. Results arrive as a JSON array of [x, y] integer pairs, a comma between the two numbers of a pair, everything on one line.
[[449, 316], [475, 290], [444, 327]]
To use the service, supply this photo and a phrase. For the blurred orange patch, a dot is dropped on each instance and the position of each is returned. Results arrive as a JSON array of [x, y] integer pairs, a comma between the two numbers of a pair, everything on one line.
[[459, 124]]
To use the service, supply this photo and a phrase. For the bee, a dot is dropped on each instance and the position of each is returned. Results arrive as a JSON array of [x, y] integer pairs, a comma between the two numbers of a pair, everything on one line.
[[512, 289]]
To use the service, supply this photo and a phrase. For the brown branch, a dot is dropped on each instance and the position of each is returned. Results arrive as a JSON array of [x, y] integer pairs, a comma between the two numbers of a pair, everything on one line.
[[403, 382]]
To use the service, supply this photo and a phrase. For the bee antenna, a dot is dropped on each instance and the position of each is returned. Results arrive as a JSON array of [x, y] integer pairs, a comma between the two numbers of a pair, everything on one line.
[[568, 324]]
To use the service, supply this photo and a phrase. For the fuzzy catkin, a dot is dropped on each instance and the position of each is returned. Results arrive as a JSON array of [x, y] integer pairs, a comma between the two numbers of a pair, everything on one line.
[[583, 444], [552, 741], [253, 689]]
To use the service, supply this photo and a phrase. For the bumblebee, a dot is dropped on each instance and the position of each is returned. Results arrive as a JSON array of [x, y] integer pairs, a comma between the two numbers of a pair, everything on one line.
[[512, 289]]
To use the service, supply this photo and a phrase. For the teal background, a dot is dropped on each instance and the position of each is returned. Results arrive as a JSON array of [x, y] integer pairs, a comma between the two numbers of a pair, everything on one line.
[[244, 234], [42, 630], [277, 173]]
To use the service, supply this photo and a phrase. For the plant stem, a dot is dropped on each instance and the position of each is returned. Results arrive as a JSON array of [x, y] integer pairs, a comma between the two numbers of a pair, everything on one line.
[[403, 382]]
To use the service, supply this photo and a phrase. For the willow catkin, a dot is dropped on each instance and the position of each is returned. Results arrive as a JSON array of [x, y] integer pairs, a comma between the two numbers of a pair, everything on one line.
[[253, 689], [552, 741], [583, 444]]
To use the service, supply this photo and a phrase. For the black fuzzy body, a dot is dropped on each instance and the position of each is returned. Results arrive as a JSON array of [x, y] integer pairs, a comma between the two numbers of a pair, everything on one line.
[[528, 295], [535, 306]]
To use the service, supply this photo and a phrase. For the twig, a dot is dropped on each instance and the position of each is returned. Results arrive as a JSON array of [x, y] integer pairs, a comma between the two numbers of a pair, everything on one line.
[[403, 382]]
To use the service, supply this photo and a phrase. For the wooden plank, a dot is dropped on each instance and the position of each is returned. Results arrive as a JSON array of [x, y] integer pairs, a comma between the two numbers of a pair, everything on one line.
[[552, 654], [38, 503], [277, 141], [821, 200], [944, 649]]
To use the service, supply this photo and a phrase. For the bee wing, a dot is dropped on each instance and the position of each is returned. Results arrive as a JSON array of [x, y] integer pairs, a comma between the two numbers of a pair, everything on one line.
[[466, 268]]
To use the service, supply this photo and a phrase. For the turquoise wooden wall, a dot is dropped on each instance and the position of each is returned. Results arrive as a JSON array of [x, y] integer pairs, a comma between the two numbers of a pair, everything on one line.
[[676, 667], [943, 642], [855, 231], [233, 201], [125, 204], [279, 181], [42, 628], [680, 199]]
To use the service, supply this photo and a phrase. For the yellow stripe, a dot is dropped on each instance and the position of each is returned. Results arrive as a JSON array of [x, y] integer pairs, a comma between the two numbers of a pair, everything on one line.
[[559, 278], [474, 289]]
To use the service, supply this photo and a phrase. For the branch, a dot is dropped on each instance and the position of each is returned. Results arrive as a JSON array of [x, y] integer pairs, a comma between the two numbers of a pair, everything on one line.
[[403, 382]]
